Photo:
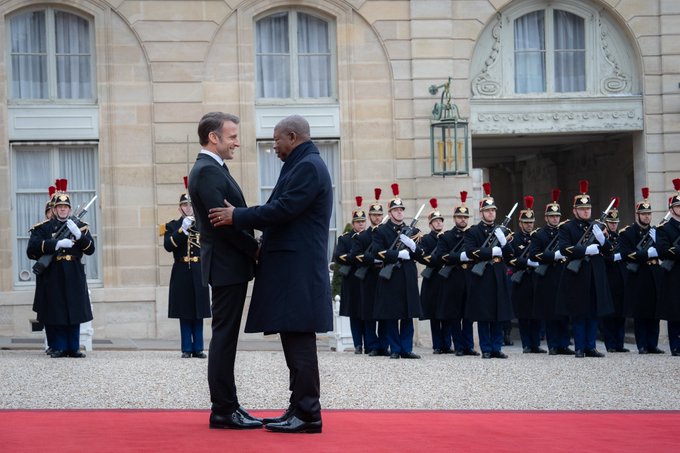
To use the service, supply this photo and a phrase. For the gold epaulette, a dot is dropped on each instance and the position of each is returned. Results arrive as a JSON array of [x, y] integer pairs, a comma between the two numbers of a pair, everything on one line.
[[563, 223], [623, 229], [39, 223], [427, 258], [418, 236], [440, 234], [162, 229]]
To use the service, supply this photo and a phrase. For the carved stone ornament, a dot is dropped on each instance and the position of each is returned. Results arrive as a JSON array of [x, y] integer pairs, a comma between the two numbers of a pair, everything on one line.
[[616, 81], [483, 83]]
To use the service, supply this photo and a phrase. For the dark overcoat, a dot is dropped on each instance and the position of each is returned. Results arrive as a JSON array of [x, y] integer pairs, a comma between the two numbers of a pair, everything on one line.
[[430, 286], [616, 272], [350, 291], [451, 303], [363, 256], [398, 297], [574, 293], [187, 297], [488, 296], [523, 292], [644, 287], [292, 290], [65, 299], [667, 245], [542, 250]]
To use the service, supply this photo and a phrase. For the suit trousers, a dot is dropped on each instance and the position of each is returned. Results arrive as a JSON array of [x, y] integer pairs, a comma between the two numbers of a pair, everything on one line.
[[299, 349], [227, 308]]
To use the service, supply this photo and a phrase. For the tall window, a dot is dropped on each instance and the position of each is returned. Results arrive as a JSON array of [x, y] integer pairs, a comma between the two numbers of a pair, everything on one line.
[[36, 166], [270, 167], [294, 57], [50, 56], [550, 42]]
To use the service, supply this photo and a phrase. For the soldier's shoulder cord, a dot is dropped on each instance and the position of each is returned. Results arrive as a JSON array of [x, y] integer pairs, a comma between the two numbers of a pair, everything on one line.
[[39, 224], [563, 223]]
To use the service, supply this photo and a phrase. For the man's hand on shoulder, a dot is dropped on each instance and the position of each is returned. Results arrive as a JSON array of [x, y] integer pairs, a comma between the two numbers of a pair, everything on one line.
[[222, 216]]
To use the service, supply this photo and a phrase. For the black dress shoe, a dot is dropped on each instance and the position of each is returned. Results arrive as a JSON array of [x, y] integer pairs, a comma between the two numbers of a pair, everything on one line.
[[538, 350], [676, 353], [186, 355], [235, 420], [565, 351], [552, 351], [358, 350], [611, 350], [281, 418], [486, 355], [49, 351], [499, 355], [460, 353], [394, 355], [58, 354], [199, 355], [656, 351], [437, 351], [470, 352], [579, 354], [378, 353], [295, 425], [447, 351], [246, 415], [622, 350], [593, 353], [642, 351], [75, 354], [409, 355], [526, 350]]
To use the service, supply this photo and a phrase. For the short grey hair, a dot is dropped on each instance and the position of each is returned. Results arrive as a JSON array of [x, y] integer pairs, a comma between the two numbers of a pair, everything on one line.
[[296, 124]]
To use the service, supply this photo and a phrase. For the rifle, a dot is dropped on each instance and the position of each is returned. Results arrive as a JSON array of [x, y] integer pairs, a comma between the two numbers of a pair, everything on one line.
[[457, 249], [386, 272], [361, 272], [519, 275], [644, 244], [63, 231], [543, 268], [587, 239], [491, 241]]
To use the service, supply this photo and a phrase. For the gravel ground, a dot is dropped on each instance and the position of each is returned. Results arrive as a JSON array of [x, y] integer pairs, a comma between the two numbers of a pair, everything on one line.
[[161, 379]]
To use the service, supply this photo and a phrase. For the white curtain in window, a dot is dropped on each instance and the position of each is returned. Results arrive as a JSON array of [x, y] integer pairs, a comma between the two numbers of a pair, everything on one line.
[[570, 52], [273, 57], [314, 57], [72, 39], [28, 56], [530, 53]]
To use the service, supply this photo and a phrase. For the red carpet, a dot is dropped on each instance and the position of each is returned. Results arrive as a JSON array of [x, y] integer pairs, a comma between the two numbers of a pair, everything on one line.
[[344, 431]]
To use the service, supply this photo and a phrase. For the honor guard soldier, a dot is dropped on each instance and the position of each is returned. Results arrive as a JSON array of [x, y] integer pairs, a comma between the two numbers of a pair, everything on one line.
[[430, 287], [66, 302], [644, 276], [544, 250], [668, 246], [350, 292], [584, 292], [397, 300], [454, 273], [368, 266], [188, 299], [488, 301], [39, 295], [522, 293], [613, 327]]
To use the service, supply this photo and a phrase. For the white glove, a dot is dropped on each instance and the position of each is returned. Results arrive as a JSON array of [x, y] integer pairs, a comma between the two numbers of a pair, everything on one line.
[[404, 255], [464, 257], [599, 235], [531, 263], [500, 236], [73, 228], [617, 257], [652, 234], [408, 242], [652, 253], [186, 223], [592, 249], [558, 255], [496, 251], [64, 244]]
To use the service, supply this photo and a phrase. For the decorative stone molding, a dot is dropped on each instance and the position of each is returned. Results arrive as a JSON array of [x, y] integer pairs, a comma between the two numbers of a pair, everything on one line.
[[483, 84], [616, 81]]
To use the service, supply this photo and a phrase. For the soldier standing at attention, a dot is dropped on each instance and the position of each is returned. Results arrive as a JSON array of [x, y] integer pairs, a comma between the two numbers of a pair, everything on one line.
[[584, 294], [430, 288], [613, 327], [523, 281], [350, 293], [488, 300], [397, 300], [668, 245], [39, 295], [188, 299], [645, 277], [544, 249]]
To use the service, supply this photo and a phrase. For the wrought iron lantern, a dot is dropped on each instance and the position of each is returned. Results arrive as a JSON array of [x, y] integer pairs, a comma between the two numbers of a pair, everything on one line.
[[448, 136]]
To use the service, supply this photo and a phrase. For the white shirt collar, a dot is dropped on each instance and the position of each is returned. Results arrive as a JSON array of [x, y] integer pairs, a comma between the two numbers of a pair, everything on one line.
[[213, 155]]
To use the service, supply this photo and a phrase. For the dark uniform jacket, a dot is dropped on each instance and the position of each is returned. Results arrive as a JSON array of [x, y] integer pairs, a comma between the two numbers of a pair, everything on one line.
[[292, 290], [616, 273], [65, 299], [488, 296], [644, 287], [542, 250], [187, 297], [451, 303], [430, 287], [364, 256], [398, 297], [669, 250], [522, 292], [227, 253], [574, 293], [350, 292]]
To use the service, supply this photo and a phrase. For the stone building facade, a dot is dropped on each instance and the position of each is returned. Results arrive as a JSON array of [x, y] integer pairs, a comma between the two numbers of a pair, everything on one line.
[[108, 93]]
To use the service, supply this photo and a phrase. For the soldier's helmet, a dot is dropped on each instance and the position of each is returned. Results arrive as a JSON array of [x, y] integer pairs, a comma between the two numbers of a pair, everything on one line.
[[395, 202], [527, 214], [359, 214], [553, 208], [613, 214], [675, 199], [435, 213], [51, 190], [487, 202], [583, 199], [462, 210], [184, 198], [376, 208], [643, 206], [60, 196]]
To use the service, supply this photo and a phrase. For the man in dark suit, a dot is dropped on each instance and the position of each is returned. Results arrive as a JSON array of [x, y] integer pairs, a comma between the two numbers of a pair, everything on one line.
[[227, 263], [291, 295]]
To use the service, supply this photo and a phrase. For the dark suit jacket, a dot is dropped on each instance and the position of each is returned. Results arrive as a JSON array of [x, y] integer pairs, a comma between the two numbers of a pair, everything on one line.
[[227, 253], [292, 286]]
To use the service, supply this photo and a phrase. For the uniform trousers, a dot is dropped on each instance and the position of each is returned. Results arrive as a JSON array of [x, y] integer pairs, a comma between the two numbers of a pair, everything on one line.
[[441, 334], [674, 335], [613, 330], [646, 333], [191, 331], [66, 337], [49, 336], [461, 333], [400, 335], [530, 333], [557, 333], [358, 329], [299, 349], [490, 335], [375, 336]]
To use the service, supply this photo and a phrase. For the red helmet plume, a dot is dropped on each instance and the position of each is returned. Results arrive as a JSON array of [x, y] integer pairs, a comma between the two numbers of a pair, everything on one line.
[[487, 188], [377, 192], [359, 200], [617, 200], [583, 186], [529, 201], [463, 196], [433, 203], [395, 189], [555, 195], [645, 193], [51, 190], [676, 184], [186, 182]]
